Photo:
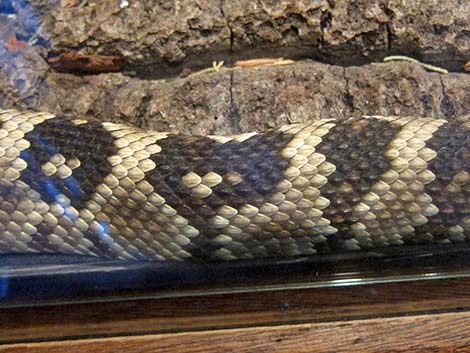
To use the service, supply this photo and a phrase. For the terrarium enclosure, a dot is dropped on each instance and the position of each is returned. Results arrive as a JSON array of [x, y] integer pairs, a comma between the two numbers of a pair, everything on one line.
[[199, 69]]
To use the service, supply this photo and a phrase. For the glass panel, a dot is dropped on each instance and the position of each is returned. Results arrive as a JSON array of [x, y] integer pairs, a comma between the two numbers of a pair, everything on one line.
[[36, 279]]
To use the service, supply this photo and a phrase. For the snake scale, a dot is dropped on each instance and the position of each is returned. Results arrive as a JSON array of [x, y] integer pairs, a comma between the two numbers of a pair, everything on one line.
[[110, 190]]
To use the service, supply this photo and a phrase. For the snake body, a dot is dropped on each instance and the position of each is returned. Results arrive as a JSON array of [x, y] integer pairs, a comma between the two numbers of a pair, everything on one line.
[[110, 190]]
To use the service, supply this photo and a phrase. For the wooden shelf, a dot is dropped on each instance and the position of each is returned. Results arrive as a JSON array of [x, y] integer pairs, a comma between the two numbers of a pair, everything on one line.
[[412, 316], [418, 333]]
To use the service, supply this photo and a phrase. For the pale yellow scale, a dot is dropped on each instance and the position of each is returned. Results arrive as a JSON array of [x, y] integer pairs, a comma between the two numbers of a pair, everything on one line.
[[26, 208], [140, 223], [296, 204], [397, 202]]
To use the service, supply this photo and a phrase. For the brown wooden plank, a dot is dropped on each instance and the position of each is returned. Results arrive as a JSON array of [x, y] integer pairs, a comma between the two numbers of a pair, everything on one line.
[[229, 311], [420, 333]]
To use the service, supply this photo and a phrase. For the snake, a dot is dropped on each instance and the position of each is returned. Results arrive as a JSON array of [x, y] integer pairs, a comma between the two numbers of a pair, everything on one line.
[[87, 187]]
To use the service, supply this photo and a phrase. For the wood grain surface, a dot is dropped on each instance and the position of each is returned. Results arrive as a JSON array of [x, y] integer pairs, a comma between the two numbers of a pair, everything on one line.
[[420, 333], [134, 317]]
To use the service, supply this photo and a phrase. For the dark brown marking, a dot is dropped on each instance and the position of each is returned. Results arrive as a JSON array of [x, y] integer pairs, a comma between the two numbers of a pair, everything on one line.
[[356, 147], [90, 143], [452, 145], [249, 169]]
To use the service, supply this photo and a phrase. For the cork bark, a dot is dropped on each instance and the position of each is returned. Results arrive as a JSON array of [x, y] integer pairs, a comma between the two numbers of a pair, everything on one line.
[[337, 46]]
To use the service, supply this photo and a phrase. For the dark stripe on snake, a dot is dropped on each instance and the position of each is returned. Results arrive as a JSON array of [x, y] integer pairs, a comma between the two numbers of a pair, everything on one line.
[[450, 190], [356, 147], [90, 143], [249, 171]]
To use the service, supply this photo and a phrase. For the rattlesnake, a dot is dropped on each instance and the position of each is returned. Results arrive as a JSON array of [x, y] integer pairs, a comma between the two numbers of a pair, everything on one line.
[[104, 189]]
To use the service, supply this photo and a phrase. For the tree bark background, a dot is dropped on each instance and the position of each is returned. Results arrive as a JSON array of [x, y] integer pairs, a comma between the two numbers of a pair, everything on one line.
[[337, 45]]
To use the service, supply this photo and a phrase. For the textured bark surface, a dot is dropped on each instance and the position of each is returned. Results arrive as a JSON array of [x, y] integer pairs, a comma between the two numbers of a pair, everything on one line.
[[159, 41], [161, 34]]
